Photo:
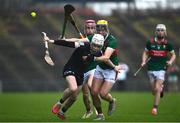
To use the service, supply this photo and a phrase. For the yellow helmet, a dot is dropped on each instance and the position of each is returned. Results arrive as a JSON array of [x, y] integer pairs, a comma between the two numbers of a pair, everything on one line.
[[102, 22], [102, 25]]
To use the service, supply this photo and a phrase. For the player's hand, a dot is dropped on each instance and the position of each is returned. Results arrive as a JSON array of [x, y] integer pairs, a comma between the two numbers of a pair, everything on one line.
[[117, 68], [143, 63], [169, 63], [45, 38]]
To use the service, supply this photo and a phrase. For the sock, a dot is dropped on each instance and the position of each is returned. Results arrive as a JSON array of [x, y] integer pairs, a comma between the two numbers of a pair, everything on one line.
[[61, 101], [99, 110], [63, 109], [155, 106]]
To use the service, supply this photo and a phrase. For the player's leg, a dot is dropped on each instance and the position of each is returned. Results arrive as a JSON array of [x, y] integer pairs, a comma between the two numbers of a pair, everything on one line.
[[158, 85], [88, 87], [87, 102], [73, 90], [56, 107], [95, 89], [158, 89], [109, 80], [152, 81], [104, 93], [72, 98], [88, 77]]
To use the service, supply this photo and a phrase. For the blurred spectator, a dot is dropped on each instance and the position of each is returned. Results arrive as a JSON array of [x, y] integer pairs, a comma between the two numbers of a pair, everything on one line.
[[120, 84], [172, 77]]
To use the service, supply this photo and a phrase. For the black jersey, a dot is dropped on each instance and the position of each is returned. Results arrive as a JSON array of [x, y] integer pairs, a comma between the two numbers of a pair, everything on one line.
[[78, 61]]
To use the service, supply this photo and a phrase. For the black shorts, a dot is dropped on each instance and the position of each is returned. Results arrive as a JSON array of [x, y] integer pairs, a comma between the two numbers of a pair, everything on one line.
[[71, 71]]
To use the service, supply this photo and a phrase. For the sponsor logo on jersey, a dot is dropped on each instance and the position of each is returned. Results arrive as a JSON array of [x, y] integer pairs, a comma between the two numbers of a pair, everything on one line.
[[158, 53]]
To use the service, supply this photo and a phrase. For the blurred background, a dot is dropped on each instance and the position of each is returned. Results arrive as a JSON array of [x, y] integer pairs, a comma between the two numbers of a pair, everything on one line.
[[22, 65]]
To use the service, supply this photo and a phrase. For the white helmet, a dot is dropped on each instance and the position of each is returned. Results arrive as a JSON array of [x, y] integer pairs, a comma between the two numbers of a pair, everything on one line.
[[161, 27], [98, 39], [97, 43]]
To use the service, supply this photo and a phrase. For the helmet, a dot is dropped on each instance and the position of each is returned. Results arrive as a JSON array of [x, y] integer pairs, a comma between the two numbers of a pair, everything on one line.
[[102, 22], [161, 27], [98, 39], [96, 43], [90, 23], [102, 25], [90, 27]]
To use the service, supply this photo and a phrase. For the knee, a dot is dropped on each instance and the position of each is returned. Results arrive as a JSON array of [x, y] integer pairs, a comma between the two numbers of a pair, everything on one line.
[[73, 90], [94, 92], [157, 89], [103, 94]]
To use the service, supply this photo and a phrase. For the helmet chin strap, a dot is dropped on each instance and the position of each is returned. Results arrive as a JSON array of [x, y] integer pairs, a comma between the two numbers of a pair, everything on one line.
[[106, 36], [160, 37]]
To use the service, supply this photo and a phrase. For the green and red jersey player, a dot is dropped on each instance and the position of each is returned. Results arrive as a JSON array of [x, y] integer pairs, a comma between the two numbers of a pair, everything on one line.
[[158, 49]]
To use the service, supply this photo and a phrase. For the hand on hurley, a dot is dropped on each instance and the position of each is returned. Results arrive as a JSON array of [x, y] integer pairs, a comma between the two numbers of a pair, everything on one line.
[[45, 38], [169, 63]]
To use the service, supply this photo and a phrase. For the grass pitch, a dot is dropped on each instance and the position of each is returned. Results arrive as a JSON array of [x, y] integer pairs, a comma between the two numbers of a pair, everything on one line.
[[131, 107]]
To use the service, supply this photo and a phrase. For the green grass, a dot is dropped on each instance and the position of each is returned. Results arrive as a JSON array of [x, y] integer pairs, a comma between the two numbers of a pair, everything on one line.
[[131, 107]]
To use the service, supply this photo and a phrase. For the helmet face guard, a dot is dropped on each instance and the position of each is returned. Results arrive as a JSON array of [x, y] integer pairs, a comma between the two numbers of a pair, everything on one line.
[[161, 31], [102, 27], [97, 43], [90, 27], [90, 23]]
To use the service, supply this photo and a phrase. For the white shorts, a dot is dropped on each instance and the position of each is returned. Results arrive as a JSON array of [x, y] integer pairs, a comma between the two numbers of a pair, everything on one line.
[[108, 75], [87, 74], [156, 75]]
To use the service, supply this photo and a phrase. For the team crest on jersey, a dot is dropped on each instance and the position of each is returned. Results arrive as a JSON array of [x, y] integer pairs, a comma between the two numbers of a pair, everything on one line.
[[164, 46]]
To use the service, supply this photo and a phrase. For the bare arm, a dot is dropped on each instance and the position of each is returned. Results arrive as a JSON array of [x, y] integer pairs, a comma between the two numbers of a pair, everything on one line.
[[105, 57], [117, 68], [61, 42], [172, 59], [144, 57]]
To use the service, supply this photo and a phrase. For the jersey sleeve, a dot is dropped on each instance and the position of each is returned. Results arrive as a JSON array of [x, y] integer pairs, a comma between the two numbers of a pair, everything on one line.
[[147, 48], [112, 43], [170, 48], [64, 43]]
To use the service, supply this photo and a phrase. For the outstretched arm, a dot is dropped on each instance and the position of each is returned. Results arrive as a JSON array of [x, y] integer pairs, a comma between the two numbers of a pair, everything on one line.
[[77, 40], [61, 42]]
